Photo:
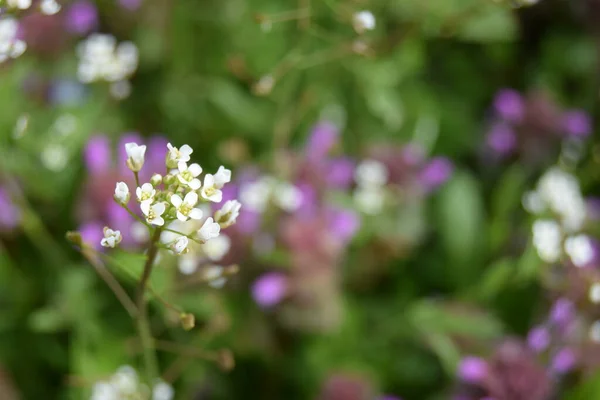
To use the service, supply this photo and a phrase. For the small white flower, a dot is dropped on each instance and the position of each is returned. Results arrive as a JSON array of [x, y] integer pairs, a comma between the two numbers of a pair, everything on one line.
[[371, 173], [185, 208], [162, 391], [135, 156], [145, 193], [222, 177], [154, 213], [175, 155], [10, 45], [217, 248], [188, 264], [287, 196], [188, 175], [580, 250], [104, 391], [210, 191], [546, 240], [228, 214], [49, 7], [363, 21], [209, 230], [180, 246], [594, 293], [111, 238], [122, 193]]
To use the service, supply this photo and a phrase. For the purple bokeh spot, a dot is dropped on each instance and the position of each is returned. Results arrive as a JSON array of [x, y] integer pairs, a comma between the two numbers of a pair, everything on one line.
[[92, 233], [563, 361], [435, 173], [248, 221], [339, 173], [322, 139], [472, 369], [10, 214], [562, 313], [97, 154], [501, 139], [343, 224], [538, 339], [81, 17], [509, 104], [269, 289], [577, 123]]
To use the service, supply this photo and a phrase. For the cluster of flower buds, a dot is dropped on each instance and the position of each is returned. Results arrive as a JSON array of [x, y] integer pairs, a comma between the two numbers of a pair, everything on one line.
[[177, 200], [125, 384]]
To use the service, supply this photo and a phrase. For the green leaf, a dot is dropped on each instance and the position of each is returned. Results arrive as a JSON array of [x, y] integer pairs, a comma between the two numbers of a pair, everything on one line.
[[492, 24]]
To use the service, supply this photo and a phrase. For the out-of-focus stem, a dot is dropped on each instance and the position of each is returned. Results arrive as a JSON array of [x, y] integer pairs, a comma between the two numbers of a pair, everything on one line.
[[150, 362]]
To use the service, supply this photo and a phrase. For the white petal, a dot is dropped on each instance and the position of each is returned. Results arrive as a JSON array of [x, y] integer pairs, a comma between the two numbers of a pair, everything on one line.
[[182, 179], [145, 207], [181, 217], [181, 166], [176, 200], [195, 169], [209, 180], [186, 150], [217, 196], [138, 192], [195, 184], [158, 208], [159, 221], [196, 213], [191, 198]]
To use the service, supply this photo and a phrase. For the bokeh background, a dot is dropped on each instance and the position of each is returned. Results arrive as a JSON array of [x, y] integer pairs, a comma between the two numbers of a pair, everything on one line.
[[364, 289]]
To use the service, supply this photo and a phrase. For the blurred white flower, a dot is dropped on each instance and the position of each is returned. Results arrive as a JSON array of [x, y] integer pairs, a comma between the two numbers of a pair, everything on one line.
[[228, 213], [594, 332], [547, 240], [363, 21], [562, 194], [49, 7], [20, 4], [154, 213], [162, 391], [55, 157], [111, 238], [217, 248], [188, 264], [185, 207], [10, 45], [369, 200], [135, 156], [100, 59], [209, 230], [580, 250], [287, 196], [176, 155], [214, 274], [255, 195], [371, 173], [188, 175], [594, 293]]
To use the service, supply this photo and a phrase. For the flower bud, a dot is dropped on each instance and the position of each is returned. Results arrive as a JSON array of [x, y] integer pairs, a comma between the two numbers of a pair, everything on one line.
[[156, 179], [135, 156], [187, 321], [122, 193], [75, 238], [169, 179]]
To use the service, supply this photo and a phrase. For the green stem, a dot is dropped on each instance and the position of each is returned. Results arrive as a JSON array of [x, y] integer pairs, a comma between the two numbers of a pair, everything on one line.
[[150, 362]]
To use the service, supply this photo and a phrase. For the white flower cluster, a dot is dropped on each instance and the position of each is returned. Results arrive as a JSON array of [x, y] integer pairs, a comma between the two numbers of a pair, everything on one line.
[[559, 195], [177, 201], [125, 384], [101, 59], [259, 194], [363, 21], [371, 177], [10, 45], [47, 7]]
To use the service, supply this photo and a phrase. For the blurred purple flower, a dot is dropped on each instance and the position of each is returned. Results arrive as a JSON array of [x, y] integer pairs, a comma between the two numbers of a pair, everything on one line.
[[92, 234], [248, 221], [472, 369], [562, 313], [339, 173], [10, 216], [509, 104], [343, 224], [577, 123], [538, 339], [437, 171], [130, 5], [81, 17], [97, 155], [322, 139], [563, 361], [501, 139], [269, 289], [308, 205]]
